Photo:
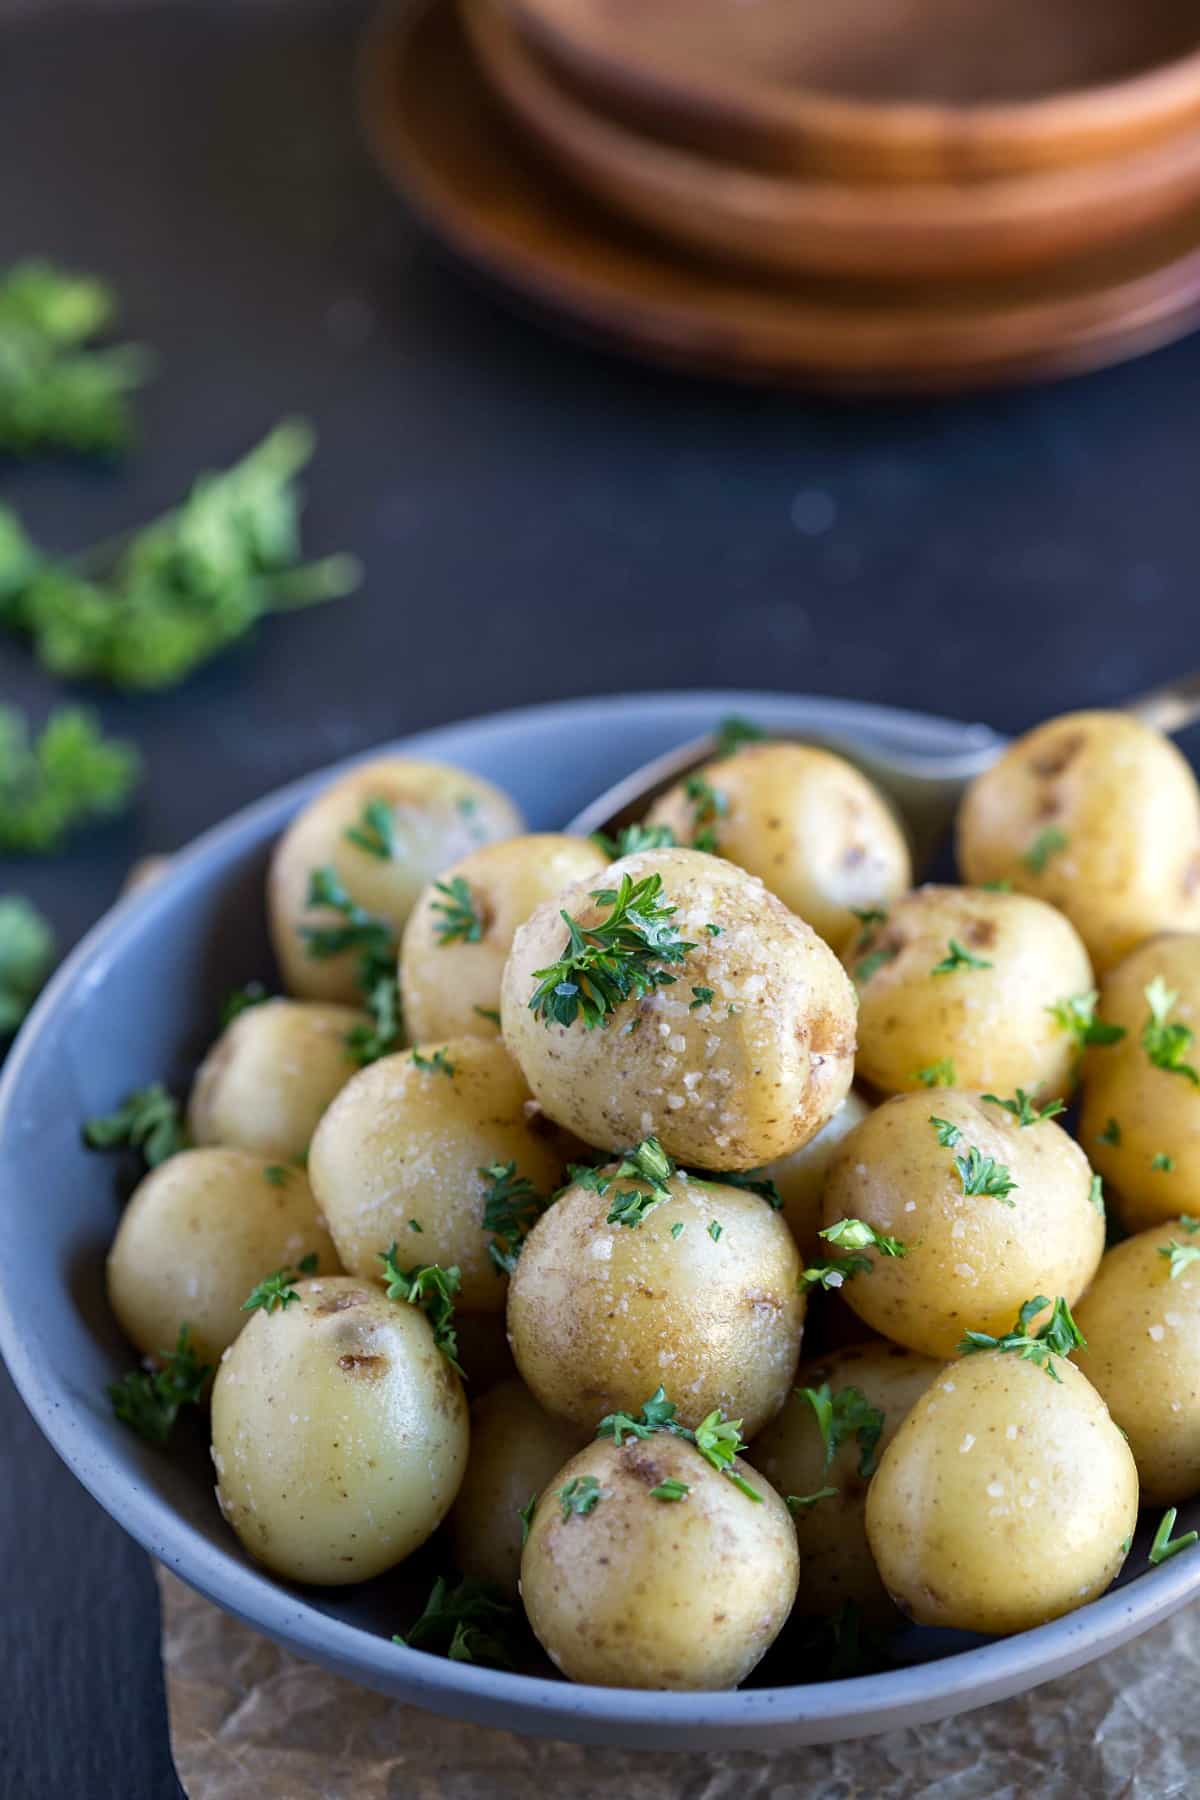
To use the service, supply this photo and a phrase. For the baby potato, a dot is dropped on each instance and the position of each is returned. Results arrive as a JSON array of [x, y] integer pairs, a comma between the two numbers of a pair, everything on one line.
[[339, 1433], [1139, 1120], [626, 1586], [270, 1075], [516, 1448], [967, 977], [701, 1296], [794, 1456], [460, 931], [1141, 1319], [200, 1232], [400, 1157], [741, 1059], [1004, 1500], [1098, 814], [806, 822], [385, 829], [1017, 1218], [800, 1177]]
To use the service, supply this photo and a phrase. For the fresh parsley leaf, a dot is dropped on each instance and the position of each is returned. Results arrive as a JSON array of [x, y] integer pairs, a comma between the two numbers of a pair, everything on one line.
[[835, 1274], [648, 1161], [277, 1174], [801, 1502], [26, 953], [149, 1400], [150, 1120], [525, 1514], [57, 391], [1164, 1545], [713, 930], [958, 958], [1161, 1163], [460, 922], [367, 1043], [632, 838], [856, 1234], [1024, 1110], [579, 1495], [846, 1414], [1111, 1134], [982, 1175], [701, 996], [432, 1288], [878, 959], [1096, 1194], [714, 1230], [733, 732], [67, 777], [1047, 843], [677, 1228], [240, 1000], [938, 1074], [275, 1292], [707, 807], [512, 1206], [670, 1489], [718, 1440], [632, 1207], [1164, 1043], [1076, 1013], [1058, 1337], [948, 1135], [375, 831], [753, 1181], [614, 960], [868, 916], [1180, 1256], [437, 1064], [375, 972], [487, 1012], [469, 1622]]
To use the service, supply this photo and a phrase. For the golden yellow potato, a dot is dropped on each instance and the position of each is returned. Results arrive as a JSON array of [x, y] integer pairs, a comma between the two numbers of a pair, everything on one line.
[[400, 1158], [1140, 1121], [1142, 1325], [460, 931], [270, 1075], [640, 1591], [739, 1061], [1005, 1499], [600, 1314], [990, 1018], [422, 817], [971, 1258], [516, 1448], [1097, 814], [340, 1433], [805, 821], [800, 1177], [200, 1232]]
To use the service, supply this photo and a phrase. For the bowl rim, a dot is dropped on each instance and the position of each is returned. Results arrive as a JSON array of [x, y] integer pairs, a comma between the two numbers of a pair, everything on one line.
[[819, 1712]]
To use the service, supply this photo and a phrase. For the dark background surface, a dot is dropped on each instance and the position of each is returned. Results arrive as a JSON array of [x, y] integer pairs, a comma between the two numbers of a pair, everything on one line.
[[537, 521]]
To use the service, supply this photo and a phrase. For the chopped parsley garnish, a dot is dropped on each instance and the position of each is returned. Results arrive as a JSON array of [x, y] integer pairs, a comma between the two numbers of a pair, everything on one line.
[[844, 1415], [58, 390], [947, 1134], [835, 1274], [733, 732], [701, 996], [938, 1074], [868, 916], [277, 1174], [1164, 1545], [487, 1012], [1161, 1163], [801, 1502], [716, 1438], [579, 1495], [1076, 1013], [1047, 843], [375, 831], [240, 1000], [1164, 1043], [981, 1174], [677, 1228], [416, 1225], [614, 960], [753, 1181], [149, 1401], [460, 921], [26, 952], [714, 1230], [375, 973], [278, 1290], [632, 838], [437, 1064], [150, 1120], [1111, 1134], [367, 1043], [468, 1622], [512, 1207], [432, 1288], [69, 776], [958, 958], [1058, 1337], [878, 959], [670, 1489], [525, 1514], [713, 930], [1096, 1194], [631, 1208], [1024, 1110], [708, 805], [856, 1234], [1180, 1256]]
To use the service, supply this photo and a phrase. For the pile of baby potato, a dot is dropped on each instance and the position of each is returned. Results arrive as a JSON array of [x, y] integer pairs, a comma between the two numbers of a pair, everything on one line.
[[620, 1154]]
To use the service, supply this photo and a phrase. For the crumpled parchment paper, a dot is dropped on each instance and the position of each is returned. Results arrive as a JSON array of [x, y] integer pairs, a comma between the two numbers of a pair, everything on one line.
[[251, 1722]]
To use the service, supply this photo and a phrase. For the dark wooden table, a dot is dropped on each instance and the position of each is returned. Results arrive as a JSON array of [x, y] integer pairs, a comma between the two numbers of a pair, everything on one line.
[[537, 521]]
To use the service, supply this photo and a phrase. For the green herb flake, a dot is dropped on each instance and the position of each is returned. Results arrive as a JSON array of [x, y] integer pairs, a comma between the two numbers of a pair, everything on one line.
[[1096, 1194], [1161, 1163], [701, 996], [714, 1230], [431, 1288], [670, 1489], [375, 971], [512, 1207], [938, 1075], [1180, 1256], [469, 1621], [1165, 1043], [797, 1503], [579, 1495], [835, 1274], [620, 958], [240, 1000], [461, 921], [375, 831], [488, 1012], [1024, 1109], [844, 1415], [948, 1135], [68, 777], [958, 958], [416, 1225], [878, 959], [275, 1292], [437, 1064], [1164, 1545], [58, 390], [150, 1120], [856, 1234], [150, 1400], [708, 805], [525, 1514], [26, 953], [677, 1228], [735, 732], [276, 1174], [713, 930], [981, 1174], [1111, 1134], [1076, 1013], [1047, 843], [716, 1438], [1058, 1337], [633, 838]]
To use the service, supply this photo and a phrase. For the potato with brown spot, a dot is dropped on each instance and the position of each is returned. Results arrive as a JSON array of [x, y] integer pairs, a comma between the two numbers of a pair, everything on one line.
[[968, 977], [974, 1248], [1098, 814], [270, 1075], [1139, 1121], [430, 816], [643, 1591], [740, 1059], [460, 931], [794, 1456], [701, 1297], [340, 1433], [806, 822], [1141, 1319], [1006, 1498], [516, 1447], [200, 1232], [400, 1157]]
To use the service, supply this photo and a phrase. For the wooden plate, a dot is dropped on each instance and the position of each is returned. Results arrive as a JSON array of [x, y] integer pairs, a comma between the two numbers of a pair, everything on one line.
[[793, 225], [443, 139], [885, 89]]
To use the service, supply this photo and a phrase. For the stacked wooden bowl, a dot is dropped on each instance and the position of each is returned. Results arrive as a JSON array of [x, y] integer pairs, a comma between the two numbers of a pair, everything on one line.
[[870, 194]]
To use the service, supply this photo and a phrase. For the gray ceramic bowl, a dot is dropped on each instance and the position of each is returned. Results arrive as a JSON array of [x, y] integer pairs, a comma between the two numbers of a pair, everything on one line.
[[137, 1001]]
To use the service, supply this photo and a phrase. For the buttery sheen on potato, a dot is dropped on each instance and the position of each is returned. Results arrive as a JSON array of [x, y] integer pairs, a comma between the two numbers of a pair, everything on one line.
[[340, 1433], [967, 977], [1140, 1121], [200, 1232], [431, 815], [792, 1453], [1005, 1499], [806, 822], [1142, 1325], [702, 1297], [741, 1059], [973, 1254], [400, 1157], [644, 1591], [1098, 814], [460, 931], [270, 1075]]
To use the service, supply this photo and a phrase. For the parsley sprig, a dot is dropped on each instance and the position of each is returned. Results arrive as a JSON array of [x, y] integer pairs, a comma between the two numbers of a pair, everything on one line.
[[717, 1438], [275, 1292], [1164, 1042], [432, 1288], [708, 805], [618, 958], [938, 1075], [1180, 1256], [1164, 1545], [1047, 843], [375, 969], [579, 1496], [1059, 1336], [958, 958], [375, 831], [150, 1120], [26, 953], [512, 1207], [835, 1274], [57, 390], [1076, 1013], [69, 776], [844, 1415], [1025, 1110], [461, 921], [468, 1621], [733, 732], [978, 1174], [632, 838], [856, 1234], [150, 1400]]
